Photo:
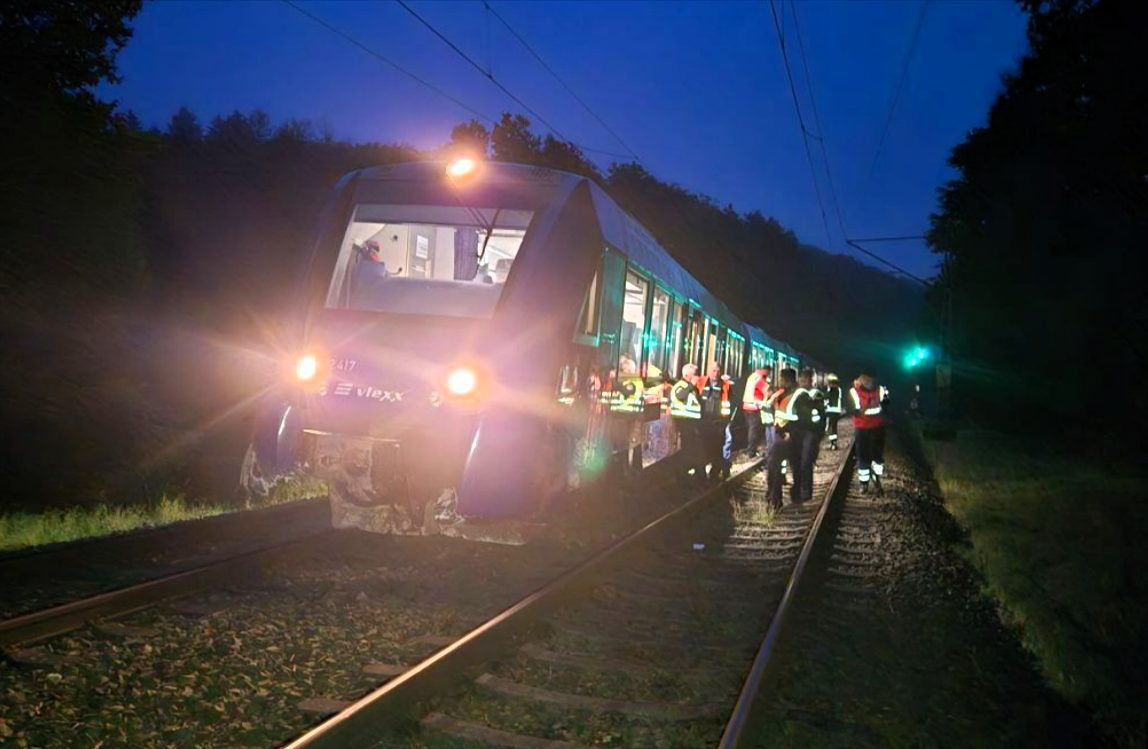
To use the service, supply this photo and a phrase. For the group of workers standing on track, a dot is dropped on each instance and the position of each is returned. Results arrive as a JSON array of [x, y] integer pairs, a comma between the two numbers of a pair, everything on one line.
[[787, 420]]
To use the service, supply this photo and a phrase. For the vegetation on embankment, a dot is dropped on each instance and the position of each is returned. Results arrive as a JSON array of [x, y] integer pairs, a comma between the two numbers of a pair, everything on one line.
[[22, 530], [1061, 546]]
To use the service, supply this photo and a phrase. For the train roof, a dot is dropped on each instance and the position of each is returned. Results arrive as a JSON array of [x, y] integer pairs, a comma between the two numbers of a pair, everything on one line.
[[618, 228]]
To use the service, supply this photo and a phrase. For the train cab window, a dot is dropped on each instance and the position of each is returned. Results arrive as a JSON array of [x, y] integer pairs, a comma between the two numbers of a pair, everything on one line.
[[659, 324], [633, 323], [426, 260], [587, 331]]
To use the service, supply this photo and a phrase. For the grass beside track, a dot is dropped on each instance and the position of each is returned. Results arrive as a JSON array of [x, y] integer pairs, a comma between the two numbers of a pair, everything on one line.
[[1062, 549], [21, 530]]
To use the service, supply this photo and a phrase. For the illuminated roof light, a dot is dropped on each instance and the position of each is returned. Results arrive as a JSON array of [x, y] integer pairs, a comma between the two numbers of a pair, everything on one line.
[[462, 168]]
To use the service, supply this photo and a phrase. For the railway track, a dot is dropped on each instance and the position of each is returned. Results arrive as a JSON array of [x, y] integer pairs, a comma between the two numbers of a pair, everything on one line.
[[662, 639]]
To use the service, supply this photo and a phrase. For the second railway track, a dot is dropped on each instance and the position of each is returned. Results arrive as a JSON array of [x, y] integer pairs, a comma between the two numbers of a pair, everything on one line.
[[661, 640]]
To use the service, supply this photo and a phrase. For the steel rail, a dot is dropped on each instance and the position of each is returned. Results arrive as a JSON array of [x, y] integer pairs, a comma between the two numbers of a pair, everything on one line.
[[738, 731], [56, 620], [386, 707]]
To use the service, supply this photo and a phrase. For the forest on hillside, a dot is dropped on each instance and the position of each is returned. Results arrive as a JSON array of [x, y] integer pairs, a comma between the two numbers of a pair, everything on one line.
[[147, 271]]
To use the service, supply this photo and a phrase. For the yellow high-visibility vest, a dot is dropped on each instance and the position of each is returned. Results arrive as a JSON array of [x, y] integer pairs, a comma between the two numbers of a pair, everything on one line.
[[684, 402]]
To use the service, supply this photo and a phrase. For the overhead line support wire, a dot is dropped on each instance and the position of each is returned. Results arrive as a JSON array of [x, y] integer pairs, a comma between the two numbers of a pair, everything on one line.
[[855, 244], [800, 120]]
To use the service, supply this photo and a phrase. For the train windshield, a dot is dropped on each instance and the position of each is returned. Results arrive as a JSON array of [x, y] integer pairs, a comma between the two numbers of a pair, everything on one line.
[[426, 260]]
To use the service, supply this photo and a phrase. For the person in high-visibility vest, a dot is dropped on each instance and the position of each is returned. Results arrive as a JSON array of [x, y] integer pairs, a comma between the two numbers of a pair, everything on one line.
[[752, 402], [834, 408], [766, 411], [867, 400], [686, 411], [717, 411], [810, 434], [793, 415]]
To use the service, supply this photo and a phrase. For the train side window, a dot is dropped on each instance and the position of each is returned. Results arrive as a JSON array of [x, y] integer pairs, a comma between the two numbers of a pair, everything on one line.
[[736, 355], [633, 323], [713, 330], [696, 340], [674, 362], [587, 330], [659, 325]]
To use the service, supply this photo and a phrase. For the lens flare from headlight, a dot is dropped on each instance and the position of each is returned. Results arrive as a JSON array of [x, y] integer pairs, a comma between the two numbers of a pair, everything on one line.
[[307, 367], [462, 381]]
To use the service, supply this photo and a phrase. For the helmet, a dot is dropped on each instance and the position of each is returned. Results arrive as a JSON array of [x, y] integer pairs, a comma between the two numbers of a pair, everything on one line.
[[831, 377]]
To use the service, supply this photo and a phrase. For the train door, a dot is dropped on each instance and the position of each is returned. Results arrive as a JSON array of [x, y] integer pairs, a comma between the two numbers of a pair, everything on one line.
[[585, 380], [657, 431]]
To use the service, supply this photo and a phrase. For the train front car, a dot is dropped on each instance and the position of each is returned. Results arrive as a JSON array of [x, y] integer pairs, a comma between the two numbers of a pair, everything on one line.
[[438, 299]]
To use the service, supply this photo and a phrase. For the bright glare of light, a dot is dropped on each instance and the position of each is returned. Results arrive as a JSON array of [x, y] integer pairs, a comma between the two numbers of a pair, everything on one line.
[[307, 367], [461, 381], [461, 168], [922, 353]]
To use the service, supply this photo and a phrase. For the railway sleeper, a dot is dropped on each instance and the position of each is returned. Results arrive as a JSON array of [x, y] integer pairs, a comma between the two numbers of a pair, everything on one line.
[[470, 731], [664, 710]]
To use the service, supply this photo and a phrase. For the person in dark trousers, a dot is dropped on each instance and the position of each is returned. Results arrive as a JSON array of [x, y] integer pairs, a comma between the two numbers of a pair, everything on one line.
[[752, 403], [716, 413], [867, 401], [793, 413], [834, 407], [686, 411], [810, 430]]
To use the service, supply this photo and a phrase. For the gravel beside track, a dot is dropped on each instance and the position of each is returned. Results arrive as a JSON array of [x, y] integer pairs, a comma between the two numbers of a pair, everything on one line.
[[256, 662], [892, 644]]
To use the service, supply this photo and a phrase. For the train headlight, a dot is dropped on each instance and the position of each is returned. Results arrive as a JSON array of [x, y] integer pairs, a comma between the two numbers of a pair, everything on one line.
[[462, 381], [307, 367]]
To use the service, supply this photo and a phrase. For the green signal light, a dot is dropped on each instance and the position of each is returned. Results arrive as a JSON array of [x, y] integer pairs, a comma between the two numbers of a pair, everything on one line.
[[922, 353]]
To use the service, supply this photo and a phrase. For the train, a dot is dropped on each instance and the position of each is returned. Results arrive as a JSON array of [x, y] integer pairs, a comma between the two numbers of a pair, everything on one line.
[[476, 340]]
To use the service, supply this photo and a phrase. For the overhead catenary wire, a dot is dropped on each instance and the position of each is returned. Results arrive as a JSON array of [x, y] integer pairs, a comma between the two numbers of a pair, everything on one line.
[[497, 83], [854, 243], [382, 58], [897, 92], [560, 80], [817, 122], [482, 116], [800, 120]]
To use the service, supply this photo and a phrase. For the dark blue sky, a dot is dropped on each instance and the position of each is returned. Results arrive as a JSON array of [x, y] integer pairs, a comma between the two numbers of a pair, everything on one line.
[[697, 89]]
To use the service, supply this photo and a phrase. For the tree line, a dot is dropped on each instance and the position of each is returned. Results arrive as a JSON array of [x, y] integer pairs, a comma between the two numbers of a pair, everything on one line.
[[1045, 230]]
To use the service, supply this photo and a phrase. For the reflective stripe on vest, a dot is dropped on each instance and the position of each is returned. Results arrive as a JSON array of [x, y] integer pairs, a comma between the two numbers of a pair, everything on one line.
[[691, 407], [751, 401], [629, 398], [783, 412], [833, 401], [867, 404], [726, 409]]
